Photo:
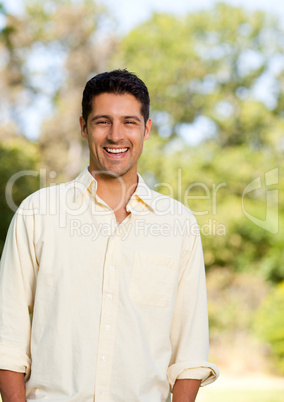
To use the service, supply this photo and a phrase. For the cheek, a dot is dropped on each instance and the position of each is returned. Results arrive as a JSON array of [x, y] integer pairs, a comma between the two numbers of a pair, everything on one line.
[[96, 139], [141, 142], [137, 139]]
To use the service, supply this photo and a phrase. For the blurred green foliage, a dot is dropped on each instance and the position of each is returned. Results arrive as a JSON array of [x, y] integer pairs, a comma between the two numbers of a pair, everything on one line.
[[211, 182], [19, 178], [211, 63], [269, 323]]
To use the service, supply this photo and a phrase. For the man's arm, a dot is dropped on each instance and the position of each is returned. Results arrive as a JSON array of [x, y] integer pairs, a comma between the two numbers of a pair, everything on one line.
[[17, 287], [189, 330], [12, 386], [185, 390]]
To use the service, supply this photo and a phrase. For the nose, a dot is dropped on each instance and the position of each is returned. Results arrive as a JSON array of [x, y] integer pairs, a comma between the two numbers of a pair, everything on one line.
[[115, 133]]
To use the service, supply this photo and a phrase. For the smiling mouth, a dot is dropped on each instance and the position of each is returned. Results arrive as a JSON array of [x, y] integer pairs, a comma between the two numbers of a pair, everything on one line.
[[116, 151]]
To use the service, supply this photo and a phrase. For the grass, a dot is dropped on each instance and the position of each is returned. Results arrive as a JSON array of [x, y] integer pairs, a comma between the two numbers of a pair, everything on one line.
[[244, 396]]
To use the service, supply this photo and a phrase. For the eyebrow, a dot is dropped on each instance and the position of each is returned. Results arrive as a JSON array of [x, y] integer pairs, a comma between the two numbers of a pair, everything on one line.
[[105, 116], [100, 116]]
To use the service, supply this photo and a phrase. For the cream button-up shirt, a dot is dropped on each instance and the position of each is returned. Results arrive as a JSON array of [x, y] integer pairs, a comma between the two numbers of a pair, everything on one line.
[[93, 311]]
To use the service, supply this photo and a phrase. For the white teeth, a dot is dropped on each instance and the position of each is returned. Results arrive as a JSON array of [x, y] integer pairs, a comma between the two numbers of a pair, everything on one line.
[[116, 151]]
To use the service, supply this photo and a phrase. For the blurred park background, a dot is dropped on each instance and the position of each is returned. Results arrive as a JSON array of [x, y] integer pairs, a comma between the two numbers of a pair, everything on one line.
[[216, 80]]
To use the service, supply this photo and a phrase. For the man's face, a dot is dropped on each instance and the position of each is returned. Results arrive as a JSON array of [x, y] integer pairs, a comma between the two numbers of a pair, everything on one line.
[[115, 131]]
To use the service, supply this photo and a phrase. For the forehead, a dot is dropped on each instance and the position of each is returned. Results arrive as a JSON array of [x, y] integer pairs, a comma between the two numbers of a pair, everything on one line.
[[116, 104]]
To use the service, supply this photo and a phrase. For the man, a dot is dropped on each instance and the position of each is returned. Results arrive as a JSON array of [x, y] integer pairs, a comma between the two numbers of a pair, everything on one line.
[[111, 272]]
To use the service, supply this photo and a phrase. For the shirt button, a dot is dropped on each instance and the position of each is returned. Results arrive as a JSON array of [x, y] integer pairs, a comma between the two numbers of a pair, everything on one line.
[[101, 391], [104, 358], [109, 296], [112, 268], [107, 327]]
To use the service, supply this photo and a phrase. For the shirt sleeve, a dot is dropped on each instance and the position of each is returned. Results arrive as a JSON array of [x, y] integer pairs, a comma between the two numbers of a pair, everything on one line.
[[17, 284], [189, 331]]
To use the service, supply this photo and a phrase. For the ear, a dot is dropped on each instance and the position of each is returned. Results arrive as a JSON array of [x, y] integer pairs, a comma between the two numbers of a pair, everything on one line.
[[83, 126], [147, 129]]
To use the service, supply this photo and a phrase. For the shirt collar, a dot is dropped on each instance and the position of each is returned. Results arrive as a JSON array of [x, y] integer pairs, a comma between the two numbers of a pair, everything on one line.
[[144, 194], [85, 181]]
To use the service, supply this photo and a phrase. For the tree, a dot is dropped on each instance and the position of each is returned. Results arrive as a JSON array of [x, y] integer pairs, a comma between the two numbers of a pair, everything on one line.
[[19, 176], [213, 65], [49, 52]]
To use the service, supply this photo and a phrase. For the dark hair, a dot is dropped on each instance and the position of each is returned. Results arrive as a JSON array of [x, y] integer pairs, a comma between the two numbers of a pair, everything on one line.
[[117, 82]]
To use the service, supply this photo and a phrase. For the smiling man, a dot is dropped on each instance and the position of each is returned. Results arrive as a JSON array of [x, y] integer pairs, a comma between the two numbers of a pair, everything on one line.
[[118, 316], [115, 129]]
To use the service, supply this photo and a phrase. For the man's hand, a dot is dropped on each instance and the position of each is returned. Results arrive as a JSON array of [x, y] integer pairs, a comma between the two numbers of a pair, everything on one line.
[[12, 386], [185, 390]]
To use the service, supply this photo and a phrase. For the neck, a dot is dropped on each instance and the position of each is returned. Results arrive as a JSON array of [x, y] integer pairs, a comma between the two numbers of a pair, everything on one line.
[[116, 191]]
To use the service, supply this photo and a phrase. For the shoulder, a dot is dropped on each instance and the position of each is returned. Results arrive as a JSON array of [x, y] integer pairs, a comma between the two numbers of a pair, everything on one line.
[[45, 198], [175, 215], [163, 204]]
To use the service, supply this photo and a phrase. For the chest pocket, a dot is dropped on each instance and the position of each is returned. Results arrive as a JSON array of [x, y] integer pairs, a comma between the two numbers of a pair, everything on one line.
[[153, 279]]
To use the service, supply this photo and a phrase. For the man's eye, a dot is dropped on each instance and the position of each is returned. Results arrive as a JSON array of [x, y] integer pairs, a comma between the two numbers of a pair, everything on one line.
[[129, 122], [102, 122]]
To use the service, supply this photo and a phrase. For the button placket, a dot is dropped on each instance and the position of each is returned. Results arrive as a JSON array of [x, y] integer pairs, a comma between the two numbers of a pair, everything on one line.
[[108, 317]]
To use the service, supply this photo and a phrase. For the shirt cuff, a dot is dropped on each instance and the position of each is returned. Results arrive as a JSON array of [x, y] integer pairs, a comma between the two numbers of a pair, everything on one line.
[[204, 371], [13, 360]]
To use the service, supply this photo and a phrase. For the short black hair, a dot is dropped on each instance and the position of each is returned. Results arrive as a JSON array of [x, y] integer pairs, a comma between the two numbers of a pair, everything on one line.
[[118, 82]]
